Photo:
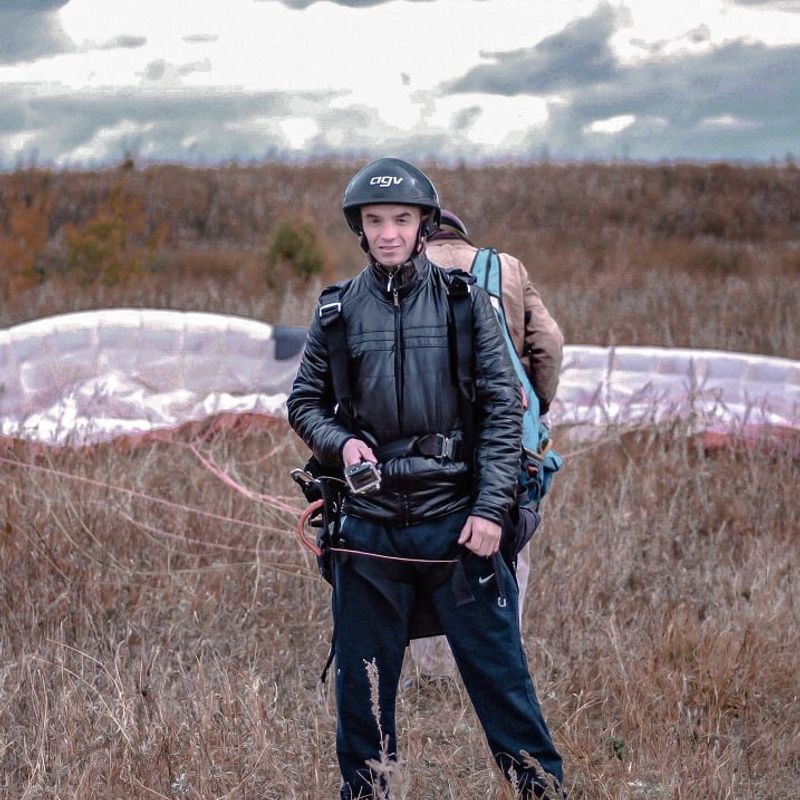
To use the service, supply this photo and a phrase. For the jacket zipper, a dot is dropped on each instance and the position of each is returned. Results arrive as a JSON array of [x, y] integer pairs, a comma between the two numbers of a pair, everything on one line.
[[398, 347], [398, 376]]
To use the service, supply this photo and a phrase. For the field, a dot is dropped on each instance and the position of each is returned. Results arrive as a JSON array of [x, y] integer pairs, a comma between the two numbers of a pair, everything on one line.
[[162, 635]]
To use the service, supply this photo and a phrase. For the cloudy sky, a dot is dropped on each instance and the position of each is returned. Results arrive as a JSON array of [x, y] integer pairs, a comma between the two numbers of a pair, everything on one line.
[[83, 82]]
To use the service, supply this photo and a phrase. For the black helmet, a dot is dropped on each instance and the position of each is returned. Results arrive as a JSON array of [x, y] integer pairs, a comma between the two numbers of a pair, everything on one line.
[[451, 221], [391, 180]]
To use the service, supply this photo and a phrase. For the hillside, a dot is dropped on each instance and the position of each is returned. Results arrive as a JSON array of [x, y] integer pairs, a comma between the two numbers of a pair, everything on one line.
[[672, 254]]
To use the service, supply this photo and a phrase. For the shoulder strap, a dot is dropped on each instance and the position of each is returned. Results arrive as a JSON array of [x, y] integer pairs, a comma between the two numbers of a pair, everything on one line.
[[461, 316], [458, 295], [330, 317], [486, 268]]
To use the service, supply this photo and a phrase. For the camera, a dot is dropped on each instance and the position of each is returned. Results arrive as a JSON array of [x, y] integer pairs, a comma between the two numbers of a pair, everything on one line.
[[363, 478]]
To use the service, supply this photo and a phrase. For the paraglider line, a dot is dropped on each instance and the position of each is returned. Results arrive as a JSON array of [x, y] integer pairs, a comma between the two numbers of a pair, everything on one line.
[[134, 493]]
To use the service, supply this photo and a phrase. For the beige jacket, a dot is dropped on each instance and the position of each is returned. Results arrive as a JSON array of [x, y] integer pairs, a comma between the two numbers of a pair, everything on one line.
[[535, 334]]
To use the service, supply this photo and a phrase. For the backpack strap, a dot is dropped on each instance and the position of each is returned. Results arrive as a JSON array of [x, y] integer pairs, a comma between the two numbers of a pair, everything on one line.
[[458, 295], [538, 454], [332, 322], [486, 268], [458, 292]]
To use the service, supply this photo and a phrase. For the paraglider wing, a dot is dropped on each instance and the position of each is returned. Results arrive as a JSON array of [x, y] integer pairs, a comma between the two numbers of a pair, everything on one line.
[[717, 390], [96, 375]]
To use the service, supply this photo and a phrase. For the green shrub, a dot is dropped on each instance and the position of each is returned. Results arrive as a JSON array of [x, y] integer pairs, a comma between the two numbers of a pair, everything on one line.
[[113, 245], [294, 252]]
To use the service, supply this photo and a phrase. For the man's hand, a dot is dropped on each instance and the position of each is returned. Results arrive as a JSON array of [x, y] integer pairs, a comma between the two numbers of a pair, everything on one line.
[[480, 536], [355, 451]]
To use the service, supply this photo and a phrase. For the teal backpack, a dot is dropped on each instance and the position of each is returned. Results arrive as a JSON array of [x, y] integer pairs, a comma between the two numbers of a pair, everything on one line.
[[540, 461]]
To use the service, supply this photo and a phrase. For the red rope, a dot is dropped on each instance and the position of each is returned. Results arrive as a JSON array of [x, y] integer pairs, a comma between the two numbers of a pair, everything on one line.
[[317, 551], [133, 493], [395, 558], [301, 528]]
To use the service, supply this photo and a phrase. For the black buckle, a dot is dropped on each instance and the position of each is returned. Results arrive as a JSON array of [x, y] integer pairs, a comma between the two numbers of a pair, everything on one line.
[[445, 445], [336, 308]]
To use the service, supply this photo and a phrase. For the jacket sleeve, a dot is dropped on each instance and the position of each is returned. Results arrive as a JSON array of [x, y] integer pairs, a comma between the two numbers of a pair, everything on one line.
[[311, 402], [498, 410], [544, 346]]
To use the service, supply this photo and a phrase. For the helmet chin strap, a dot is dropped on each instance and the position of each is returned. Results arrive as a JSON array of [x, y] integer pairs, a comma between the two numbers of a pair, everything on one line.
[[419, 246]]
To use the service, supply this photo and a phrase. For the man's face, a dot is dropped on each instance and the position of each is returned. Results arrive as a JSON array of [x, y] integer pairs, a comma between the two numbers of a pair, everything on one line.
[[391, 232]]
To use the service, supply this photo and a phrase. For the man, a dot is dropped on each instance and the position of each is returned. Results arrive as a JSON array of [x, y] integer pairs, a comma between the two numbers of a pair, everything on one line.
[[536, 335], [539, 342], [429, 535]]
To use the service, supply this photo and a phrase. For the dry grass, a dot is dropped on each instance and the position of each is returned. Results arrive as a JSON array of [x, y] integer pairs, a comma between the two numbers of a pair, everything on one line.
[[676, 638], [714, 250], [147, 650]]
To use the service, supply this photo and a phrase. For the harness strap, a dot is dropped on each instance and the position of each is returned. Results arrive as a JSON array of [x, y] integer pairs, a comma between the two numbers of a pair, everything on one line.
[[330, 316], [331, 525], [458, 295], [435, 445], [539, 460], [461, 590], [332, 649]]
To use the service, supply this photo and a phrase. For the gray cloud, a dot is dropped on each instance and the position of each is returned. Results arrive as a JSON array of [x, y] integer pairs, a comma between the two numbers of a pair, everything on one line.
[[463, 120], [164, 71], [578, 54], [702, 33], [778, 5], [167, 122], [175, 125], [201, 38], [740, 99], [125, 41], [155, 70], [358, 132], [302, 4], [733, 100], [698, 35], [30, 29]]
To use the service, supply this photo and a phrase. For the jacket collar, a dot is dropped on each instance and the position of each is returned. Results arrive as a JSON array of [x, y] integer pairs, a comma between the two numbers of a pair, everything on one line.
[[403, 277]]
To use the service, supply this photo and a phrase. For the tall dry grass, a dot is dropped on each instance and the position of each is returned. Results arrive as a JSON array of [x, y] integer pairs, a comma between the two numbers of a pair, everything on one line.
[[714, 247], [149, 650], [152, 651]]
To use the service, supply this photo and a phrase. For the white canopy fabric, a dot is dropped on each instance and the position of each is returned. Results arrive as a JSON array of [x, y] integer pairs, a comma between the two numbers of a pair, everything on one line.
[[86, 377], [715, 390]]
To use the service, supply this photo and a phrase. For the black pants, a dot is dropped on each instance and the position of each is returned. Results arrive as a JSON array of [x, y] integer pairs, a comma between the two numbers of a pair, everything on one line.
[[372, 628]]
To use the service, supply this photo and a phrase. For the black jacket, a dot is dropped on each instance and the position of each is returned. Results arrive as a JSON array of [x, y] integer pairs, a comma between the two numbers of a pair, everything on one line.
[[403, 385]]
